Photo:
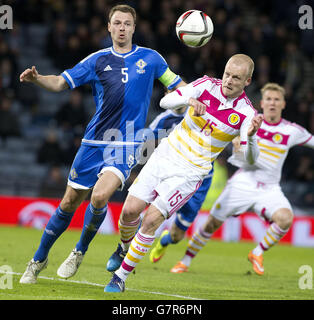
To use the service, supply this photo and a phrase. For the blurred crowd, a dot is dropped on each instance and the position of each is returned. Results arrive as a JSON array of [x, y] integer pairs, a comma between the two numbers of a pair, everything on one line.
[[266, 30]]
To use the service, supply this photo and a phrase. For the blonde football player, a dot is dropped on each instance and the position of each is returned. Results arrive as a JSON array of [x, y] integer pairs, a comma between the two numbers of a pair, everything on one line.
[[256, 187], [219, 111]]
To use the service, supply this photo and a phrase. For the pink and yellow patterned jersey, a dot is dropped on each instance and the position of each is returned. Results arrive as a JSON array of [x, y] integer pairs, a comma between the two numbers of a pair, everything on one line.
[[199, 140], [274, 142]]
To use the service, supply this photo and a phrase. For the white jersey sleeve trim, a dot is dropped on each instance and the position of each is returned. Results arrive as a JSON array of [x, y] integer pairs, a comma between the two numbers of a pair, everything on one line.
[[67, 75]]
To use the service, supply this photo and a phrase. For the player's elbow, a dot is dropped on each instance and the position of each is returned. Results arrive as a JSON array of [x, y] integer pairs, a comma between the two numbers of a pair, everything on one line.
[[60, 84], [163, 103]]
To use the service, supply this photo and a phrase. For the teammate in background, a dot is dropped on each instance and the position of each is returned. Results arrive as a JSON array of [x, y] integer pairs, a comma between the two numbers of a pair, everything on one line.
[[122, 79], [219, 111], [256, 187]]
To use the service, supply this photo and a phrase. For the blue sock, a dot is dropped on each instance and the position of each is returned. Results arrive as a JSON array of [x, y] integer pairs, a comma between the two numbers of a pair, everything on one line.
[[57, 224], [92, 222], [165, 240]]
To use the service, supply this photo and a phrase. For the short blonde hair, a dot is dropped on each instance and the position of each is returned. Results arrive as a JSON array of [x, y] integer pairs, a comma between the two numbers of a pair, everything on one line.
[[123, 8], [274, 87], [243, 58]]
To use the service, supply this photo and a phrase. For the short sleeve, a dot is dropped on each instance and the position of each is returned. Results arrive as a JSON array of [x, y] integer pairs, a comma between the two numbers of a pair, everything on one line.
[[80, 74]]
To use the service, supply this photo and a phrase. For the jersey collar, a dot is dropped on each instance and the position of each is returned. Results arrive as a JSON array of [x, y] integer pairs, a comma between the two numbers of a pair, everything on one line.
[[124, 55]]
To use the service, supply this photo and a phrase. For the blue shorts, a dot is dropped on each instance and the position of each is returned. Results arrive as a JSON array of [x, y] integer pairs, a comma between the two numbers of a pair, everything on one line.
[[91, 161], [186, 215]]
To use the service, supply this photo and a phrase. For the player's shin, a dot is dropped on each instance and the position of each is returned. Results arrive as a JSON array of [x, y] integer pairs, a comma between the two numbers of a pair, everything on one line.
[[272, 236], [92, 222], [196, 243], [57, 224], [140, 245], [128, 231]]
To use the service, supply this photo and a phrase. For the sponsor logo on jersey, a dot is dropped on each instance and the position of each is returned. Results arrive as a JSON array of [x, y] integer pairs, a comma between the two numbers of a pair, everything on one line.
[[233, 119], [108, 68], [141, 64]]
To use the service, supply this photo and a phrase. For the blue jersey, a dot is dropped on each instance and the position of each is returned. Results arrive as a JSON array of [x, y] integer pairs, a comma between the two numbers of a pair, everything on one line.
[[122, 86], [164, 123]]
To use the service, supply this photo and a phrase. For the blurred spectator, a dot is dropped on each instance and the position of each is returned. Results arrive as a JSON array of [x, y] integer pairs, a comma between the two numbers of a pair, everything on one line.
[[57, 40], [307, 199], [304, 171], [291, 66], [302, 115], [72, 148], [53, 183], [50, 151], [72, 54], [144, 35], [9, 125], [266, 30], [8, 80], [72, 114]]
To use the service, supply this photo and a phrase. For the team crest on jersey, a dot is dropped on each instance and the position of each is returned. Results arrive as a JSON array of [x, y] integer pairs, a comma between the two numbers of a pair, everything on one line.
[[277, 138], [141, 64], [234, 119], [73, 174]]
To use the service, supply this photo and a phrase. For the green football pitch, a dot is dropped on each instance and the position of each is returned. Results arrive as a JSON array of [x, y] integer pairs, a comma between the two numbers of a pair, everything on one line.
[[220, 272]]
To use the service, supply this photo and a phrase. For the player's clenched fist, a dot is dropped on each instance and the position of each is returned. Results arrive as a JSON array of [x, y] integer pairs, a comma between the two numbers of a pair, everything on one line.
[[199, 107], [255, 125], [29, 75]]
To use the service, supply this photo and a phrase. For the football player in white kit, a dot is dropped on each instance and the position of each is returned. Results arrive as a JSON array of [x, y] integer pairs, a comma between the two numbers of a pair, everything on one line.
[[256, 187], [219, 111]]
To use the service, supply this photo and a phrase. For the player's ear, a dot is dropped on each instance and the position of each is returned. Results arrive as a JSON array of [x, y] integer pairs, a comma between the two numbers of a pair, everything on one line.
[[283, 104], [248, 81], [109, 27]]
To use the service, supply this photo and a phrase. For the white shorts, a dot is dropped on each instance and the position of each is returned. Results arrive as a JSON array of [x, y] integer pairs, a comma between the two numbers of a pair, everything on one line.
[[243, 194], [165, 183]]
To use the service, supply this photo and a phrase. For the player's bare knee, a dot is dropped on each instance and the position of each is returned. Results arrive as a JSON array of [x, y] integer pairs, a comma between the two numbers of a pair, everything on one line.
[[283, 218], [176, 234], [69, 203], [130, 212], [149, 225], [99, 198], [176, 237]]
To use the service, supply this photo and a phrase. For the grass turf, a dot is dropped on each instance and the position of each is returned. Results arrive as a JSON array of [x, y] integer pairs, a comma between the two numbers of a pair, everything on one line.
[[220, 272]]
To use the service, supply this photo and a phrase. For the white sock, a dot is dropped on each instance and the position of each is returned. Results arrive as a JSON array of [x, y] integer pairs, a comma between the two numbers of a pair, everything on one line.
[[258, 250], [186, 260]]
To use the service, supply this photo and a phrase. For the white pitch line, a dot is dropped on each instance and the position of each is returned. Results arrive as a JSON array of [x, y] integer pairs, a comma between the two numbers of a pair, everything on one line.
[[101, 285]]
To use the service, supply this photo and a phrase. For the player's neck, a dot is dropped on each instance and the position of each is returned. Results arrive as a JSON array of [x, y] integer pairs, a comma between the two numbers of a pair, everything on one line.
[[272, 119], [122, 48]]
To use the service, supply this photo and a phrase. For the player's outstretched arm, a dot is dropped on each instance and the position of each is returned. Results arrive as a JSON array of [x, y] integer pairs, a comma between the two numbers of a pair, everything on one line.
[[184, 97], [49, 82], [252, 152]]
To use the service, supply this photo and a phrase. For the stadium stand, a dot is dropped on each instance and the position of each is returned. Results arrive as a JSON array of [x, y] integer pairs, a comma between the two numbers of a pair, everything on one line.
[[54, 35]]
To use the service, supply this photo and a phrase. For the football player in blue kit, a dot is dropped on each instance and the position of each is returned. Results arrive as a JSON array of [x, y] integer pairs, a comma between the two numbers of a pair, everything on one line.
[[121, 78], [160, 128]]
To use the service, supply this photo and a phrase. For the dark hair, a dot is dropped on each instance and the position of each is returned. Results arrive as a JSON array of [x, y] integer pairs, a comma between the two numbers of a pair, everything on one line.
[[123, 8]]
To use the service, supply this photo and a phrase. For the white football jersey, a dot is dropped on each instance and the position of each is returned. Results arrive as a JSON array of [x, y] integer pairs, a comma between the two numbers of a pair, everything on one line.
[[199, 140], [274, 142]]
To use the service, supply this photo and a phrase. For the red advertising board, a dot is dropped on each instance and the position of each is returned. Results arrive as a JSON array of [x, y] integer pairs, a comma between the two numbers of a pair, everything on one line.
[[35, 212]]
